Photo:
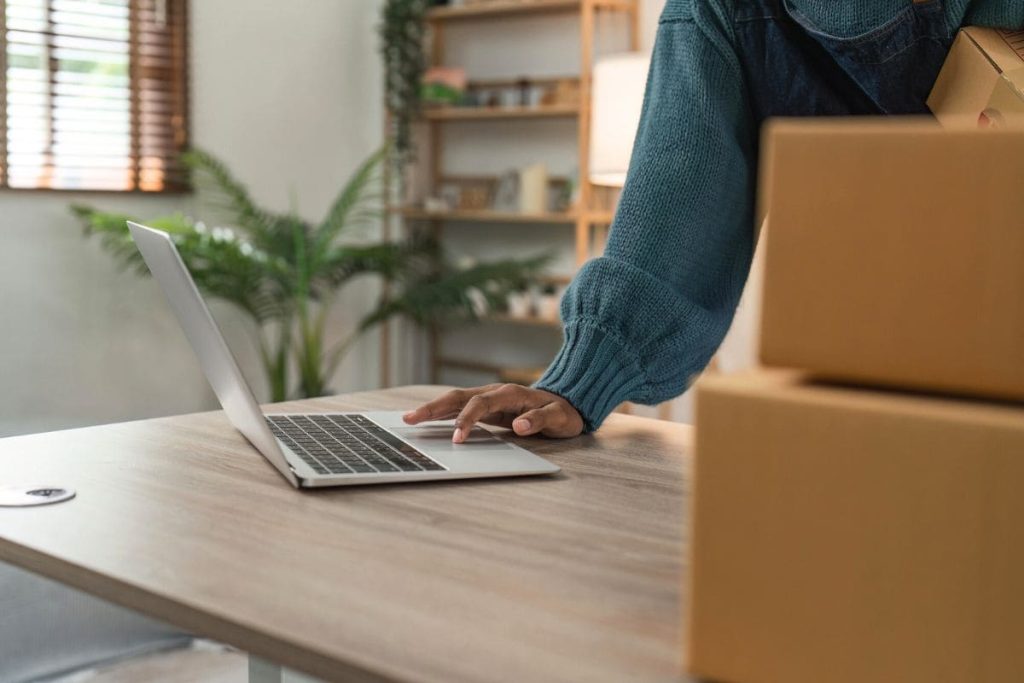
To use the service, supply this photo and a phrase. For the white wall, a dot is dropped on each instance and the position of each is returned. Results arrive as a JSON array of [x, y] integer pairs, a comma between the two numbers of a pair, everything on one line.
[[289, 95]]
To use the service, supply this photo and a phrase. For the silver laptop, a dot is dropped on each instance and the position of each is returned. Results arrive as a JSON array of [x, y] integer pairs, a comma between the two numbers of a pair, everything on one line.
[[325, 449]]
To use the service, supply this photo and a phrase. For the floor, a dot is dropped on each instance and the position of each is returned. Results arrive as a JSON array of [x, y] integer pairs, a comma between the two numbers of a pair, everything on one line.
[[203, 663]]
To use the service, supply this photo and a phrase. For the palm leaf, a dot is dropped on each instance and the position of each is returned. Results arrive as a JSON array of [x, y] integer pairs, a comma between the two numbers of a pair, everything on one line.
[[349, 208], [230, 198]]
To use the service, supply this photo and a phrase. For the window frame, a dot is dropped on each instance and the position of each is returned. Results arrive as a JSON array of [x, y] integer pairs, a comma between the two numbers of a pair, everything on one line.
[[179, 36]]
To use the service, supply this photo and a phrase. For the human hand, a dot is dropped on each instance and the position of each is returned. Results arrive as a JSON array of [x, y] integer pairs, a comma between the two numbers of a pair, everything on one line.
[[526, 411]]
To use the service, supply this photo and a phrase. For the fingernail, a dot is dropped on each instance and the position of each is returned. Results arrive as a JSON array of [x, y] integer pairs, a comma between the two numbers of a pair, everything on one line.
[[458, 435], [409, 415], [522, 424]]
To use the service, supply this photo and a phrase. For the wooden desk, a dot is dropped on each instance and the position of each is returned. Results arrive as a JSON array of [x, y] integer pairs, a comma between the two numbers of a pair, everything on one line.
[[571, 578]]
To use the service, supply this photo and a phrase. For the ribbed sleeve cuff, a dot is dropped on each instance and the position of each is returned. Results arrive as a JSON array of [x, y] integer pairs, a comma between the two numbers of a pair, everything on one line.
[[595, 371]]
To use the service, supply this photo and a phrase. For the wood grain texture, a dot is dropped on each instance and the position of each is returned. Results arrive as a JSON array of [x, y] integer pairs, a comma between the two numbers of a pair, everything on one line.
[[571, 578]]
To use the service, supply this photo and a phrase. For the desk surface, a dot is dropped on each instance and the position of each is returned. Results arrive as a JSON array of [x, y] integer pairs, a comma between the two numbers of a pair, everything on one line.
[[574, 577]]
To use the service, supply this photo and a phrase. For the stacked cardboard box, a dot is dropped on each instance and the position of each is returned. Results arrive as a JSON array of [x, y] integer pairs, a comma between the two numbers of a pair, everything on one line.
[[854, 535], [982, 80], [895, 255], [862, 518]]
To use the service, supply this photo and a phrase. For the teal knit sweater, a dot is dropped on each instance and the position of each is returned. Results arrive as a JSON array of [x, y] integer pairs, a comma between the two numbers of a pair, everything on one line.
[[642, 321]]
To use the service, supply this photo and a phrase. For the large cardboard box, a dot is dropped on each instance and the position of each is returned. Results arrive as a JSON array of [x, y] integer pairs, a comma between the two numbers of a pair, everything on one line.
[[853, 535], [895, 255], [982, 80]]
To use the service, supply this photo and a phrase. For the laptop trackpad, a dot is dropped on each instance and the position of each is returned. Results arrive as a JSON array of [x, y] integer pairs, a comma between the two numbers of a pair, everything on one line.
[[435, 436]]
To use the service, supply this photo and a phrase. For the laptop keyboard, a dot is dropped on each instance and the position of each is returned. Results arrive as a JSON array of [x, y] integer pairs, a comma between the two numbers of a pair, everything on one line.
[[347, 444]]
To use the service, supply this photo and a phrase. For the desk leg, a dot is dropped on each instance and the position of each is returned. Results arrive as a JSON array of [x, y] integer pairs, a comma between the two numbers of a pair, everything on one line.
[[262, 671]]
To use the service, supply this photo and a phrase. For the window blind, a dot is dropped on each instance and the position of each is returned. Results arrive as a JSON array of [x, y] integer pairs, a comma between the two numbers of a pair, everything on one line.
[[93, 94]]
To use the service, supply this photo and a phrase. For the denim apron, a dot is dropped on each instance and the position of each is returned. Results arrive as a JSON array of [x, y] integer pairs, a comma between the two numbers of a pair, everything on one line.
[[795, 69]]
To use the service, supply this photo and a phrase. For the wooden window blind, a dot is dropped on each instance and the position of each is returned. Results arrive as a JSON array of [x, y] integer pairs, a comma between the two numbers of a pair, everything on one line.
[[93, 94]]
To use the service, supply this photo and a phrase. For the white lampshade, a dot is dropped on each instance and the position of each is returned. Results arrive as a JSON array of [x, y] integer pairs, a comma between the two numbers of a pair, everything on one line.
[[617, 95]]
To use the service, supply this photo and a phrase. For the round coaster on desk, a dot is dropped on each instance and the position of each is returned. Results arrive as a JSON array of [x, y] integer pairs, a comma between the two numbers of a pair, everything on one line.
[[24, 496]]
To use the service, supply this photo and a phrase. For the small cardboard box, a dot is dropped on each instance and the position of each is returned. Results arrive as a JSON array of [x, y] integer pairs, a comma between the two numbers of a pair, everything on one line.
[[851, 535], [895, 255], [982, 80]]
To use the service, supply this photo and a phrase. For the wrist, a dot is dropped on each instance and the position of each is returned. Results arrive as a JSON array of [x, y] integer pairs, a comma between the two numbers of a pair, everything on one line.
[[594, 372]]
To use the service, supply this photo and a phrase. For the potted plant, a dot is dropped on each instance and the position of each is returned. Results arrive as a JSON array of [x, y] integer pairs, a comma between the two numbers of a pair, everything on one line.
[[520, 303], [285, 273], [548, 302], [402, 32]]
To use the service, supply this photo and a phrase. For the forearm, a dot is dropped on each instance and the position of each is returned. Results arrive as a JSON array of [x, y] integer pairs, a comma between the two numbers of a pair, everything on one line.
[[641, 321]]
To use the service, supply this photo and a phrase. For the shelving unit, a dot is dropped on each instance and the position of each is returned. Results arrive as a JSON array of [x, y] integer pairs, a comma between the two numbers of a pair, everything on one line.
[[499, 113], [504, 8], [488, 216], [586, 219]]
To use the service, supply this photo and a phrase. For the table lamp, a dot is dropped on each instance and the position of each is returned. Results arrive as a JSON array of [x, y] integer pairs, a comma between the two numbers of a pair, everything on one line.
[[617, 95]]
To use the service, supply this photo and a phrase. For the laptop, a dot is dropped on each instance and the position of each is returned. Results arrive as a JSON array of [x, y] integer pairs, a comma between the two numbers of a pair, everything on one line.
[[325, 449]]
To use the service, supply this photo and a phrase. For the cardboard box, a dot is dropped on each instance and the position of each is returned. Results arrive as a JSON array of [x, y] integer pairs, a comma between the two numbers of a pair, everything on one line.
[[852, 535], [895, 255], [982, 80]]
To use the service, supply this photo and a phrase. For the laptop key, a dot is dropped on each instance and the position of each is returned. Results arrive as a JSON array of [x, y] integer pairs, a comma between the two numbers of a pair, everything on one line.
[[347, 444]]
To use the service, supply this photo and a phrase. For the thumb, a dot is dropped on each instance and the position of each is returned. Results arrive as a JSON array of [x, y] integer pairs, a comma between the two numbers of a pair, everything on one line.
[[550, 420]]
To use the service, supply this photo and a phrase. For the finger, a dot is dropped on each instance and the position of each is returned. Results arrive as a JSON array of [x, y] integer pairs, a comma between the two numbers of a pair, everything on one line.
[[499, 419], [553, 419], [509, 398], [445, 406]]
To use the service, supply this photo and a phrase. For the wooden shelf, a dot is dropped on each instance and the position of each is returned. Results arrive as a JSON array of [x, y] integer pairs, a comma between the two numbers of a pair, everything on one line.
[[548, 111], [503, 8], [498, 8], [487, 216], [555, 279], [533, 320], [504, 374]]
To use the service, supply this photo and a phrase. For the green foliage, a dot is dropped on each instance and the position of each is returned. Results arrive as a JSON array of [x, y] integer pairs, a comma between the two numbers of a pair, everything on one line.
[[285, 273], [402, 32]]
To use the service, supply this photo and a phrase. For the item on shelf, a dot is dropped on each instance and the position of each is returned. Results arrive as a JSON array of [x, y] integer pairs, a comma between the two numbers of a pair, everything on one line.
[[476, 194], [573, 187], [524, 89], [509, 97], [560, 195], [520, 303], [566, 92], [548, 301], [435, 205], [490, 98], [506, 192], [478, 301], [535, 95], [533, 188], [443, 86], [451, 194]]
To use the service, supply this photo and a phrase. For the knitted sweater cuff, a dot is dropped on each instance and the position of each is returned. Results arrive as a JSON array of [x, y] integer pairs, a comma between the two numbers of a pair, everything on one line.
[[595, 371]]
